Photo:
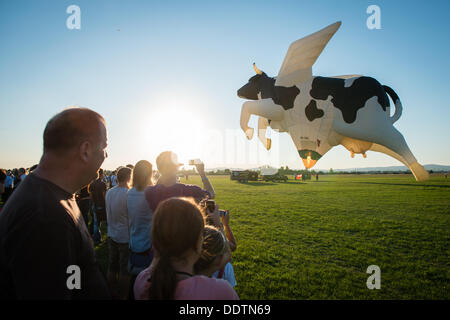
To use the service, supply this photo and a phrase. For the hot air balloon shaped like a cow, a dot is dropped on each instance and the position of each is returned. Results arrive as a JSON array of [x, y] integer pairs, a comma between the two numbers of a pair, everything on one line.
[[322, 112]]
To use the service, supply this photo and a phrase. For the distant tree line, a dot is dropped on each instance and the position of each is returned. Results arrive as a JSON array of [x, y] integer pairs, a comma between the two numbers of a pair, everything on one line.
[[287, 171]]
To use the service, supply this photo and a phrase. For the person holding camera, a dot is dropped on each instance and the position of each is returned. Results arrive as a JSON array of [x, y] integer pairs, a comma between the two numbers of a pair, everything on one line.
[[168, 187], [220, 219], [215, 254]]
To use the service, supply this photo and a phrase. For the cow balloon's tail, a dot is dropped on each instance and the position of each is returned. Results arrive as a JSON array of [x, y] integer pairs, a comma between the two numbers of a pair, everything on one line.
[[397, 102]]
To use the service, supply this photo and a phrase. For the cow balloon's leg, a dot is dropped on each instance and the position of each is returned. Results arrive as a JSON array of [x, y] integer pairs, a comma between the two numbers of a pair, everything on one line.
[[395, 141], [393, 144], [265, 108], [419, 171], [263, 123], [372, 125], [379, 148]]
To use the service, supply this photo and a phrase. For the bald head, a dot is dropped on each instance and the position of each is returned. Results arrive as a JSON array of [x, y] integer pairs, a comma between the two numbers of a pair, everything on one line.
[[71, 127], [75, 142]]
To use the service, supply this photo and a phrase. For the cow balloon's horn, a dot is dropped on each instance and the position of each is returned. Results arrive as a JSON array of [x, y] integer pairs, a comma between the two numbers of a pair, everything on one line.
[[256, 69]]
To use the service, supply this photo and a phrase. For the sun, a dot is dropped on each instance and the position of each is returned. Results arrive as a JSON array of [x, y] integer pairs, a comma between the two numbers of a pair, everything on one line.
[[177, 129]]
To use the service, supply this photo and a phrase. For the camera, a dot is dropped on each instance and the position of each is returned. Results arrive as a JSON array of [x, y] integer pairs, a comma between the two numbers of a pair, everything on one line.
[[210, 206], [194, 162], [223, 212]]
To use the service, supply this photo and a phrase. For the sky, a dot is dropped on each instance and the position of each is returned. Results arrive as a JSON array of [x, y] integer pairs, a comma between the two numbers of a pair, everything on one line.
[[164, 74]]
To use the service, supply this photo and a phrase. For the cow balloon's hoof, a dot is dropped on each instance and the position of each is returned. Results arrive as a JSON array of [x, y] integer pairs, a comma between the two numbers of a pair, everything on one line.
[[269, 143], [249, 133], [419, 172]]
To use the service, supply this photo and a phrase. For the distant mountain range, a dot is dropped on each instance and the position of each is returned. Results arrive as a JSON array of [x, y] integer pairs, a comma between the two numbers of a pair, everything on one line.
[[434, 167]]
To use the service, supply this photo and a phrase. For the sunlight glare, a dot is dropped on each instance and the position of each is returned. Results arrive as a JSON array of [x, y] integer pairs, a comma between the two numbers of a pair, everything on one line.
[[178, 129]]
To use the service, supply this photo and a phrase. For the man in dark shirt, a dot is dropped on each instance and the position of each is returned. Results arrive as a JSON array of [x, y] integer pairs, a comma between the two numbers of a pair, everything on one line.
[[97, 190], [45, 248], [83, 201], [2, 181], [167, 186]]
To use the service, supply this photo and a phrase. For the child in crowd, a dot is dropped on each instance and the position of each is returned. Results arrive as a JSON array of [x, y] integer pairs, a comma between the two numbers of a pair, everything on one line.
[[177, 237], [215, 252]]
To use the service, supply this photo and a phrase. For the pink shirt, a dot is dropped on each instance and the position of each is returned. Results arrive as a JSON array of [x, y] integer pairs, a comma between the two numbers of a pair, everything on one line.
[[194, 288]]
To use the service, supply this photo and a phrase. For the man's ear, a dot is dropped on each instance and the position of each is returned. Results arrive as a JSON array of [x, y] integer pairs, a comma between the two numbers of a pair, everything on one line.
[[85, 151]]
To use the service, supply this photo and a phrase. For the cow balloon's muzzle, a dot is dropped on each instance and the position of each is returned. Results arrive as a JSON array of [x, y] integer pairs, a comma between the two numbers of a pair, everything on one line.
[[309, 157], [248, 92], [240, 94]]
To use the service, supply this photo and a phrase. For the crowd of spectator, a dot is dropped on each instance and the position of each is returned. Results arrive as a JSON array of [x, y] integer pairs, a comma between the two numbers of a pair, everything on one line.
[[163, 241], [10, 180]]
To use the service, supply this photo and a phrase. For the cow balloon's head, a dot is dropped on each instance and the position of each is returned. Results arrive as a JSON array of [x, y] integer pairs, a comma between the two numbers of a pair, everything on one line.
[[259, 86]]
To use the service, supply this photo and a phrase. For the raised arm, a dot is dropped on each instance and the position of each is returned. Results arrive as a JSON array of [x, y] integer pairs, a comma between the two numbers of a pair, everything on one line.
[[228, 232], [206, 184]]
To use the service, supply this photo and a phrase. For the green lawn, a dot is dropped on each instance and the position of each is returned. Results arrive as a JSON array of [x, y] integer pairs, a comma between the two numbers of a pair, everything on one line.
[[315, 240]]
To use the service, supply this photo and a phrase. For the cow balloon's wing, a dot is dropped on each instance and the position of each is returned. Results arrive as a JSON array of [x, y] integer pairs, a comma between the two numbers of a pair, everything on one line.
[[301, 55]]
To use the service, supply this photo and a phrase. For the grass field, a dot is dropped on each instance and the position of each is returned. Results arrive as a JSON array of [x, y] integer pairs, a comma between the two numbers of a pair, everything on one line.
[[315, 240]]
